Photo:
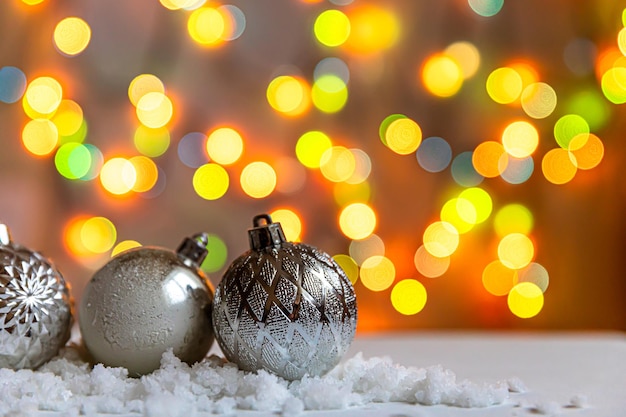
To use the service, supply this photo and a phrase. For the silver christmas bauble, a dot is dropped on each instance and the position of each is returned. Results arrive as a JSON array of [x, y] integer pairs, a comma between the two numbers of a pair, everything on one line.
[[284, 307], [146, 301], [35, 306]]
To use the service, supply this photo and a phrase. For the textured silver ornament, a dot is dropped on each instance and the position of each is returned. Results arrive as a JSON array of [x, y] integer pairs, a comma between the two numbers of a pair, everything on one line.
[[35, 306], [284, 307], [146, 301]]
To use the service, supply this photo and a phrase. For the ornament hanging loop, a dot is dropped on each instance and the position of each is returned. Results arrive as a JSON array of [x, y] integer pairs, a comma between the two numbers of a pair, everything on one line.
[[194, 249], [265, 234], [5, 235]]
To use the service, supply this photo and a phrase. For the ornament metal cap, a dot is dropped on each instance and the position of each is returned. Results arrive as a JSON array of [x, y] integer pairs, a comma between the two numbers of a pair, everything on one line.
[[194, 249], [5, 235], [265, 235]]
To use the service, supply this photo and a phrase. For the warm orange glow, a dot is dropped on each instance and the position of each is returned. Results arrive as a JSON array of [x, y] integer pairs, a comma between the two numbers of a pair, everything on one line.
[[373, 29], [489, 159]]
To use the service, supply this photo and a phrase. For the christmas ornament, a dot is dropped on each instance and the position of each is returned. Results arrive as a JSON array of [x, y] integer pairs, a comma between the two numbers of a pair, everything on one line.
[[146, 301], [35, 306], [284, 307]]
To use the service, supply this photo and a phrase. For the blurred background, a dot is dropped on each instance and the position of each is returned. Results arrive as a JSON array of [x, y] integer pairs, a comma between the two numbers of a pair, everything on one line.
[[460, 159]]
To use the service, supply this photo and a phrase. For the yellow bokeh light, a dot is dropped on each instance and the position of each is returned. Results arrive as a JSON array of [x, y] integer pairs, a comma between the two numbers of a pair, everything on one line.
[[72, 237], [460, 213], [513, 218], [516, 250], [536, 274], [40, 137], [504, 85], [147, 173], [98, 234], [621, 40], [442, 75], [118, 176], [290, 222], [614, 84], [337, 164], [142, 85], [362, 249], [68, 117], [377, 273], [32, 2], [490, 159], [211, 181], [557, 166], [207, 26], [347, 264], [525, 300], [498, 279], [123, 246], [568, 127], [586, 151], [332, 28], [408, 297], [289, 95], [329, 93], [520, 139], [311, 146], [224, 146], [72, 35], [43, 96], [363, 167], [154, 110], [428, 265], [441, 239], [481, 200], [346, 193], [538, 100], [151, 142], [373, 29], [467, 55], [403, 136], [357, 221], [258, 179]]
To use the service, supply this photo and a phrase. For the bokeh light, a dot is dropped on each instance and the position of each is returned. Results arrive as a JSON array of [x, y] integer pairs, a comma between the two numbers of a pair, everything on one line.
[[311, 146], [568, 127], [40, 137], [154, 110], [123, 246], [234, 20], [434, 154], [332, 66], [403, 136], [467, 55], [489, 159], [362, 167], [442, 75], [143, 84], [525, 300], [408, 297], [192, 149], [373, 29], [290, 222], [207, 26], [68, 118], [43, 96], [348, 265], [513, 218], [98, 234], [146, 171], [118, 176], [520, 139], [586, 151], [211, 181], [258, 179], [217, 254], [331, 28], [377, 273], [504, 85], [357, 221], [614, 85], [441, 239], [498, 279], [517, 170], [486, 8], [73, 160], [428, 265], [535, 273], [557, 166], [152, 142], [384, 125], [463, 171], [337, 164], [12, 84], [329, 93], [289, 95], [346, 193], [460, 213], [362, 249], [480, 200], [516, 250], [538, 100], [72, 36], [224, 146]]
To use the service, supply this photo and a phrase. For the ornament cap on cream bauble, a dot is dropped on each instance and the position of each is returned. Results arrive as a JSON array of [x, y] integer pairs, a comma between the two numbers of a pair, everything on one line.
[[284, 307], [146, 301], [35, 306]]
